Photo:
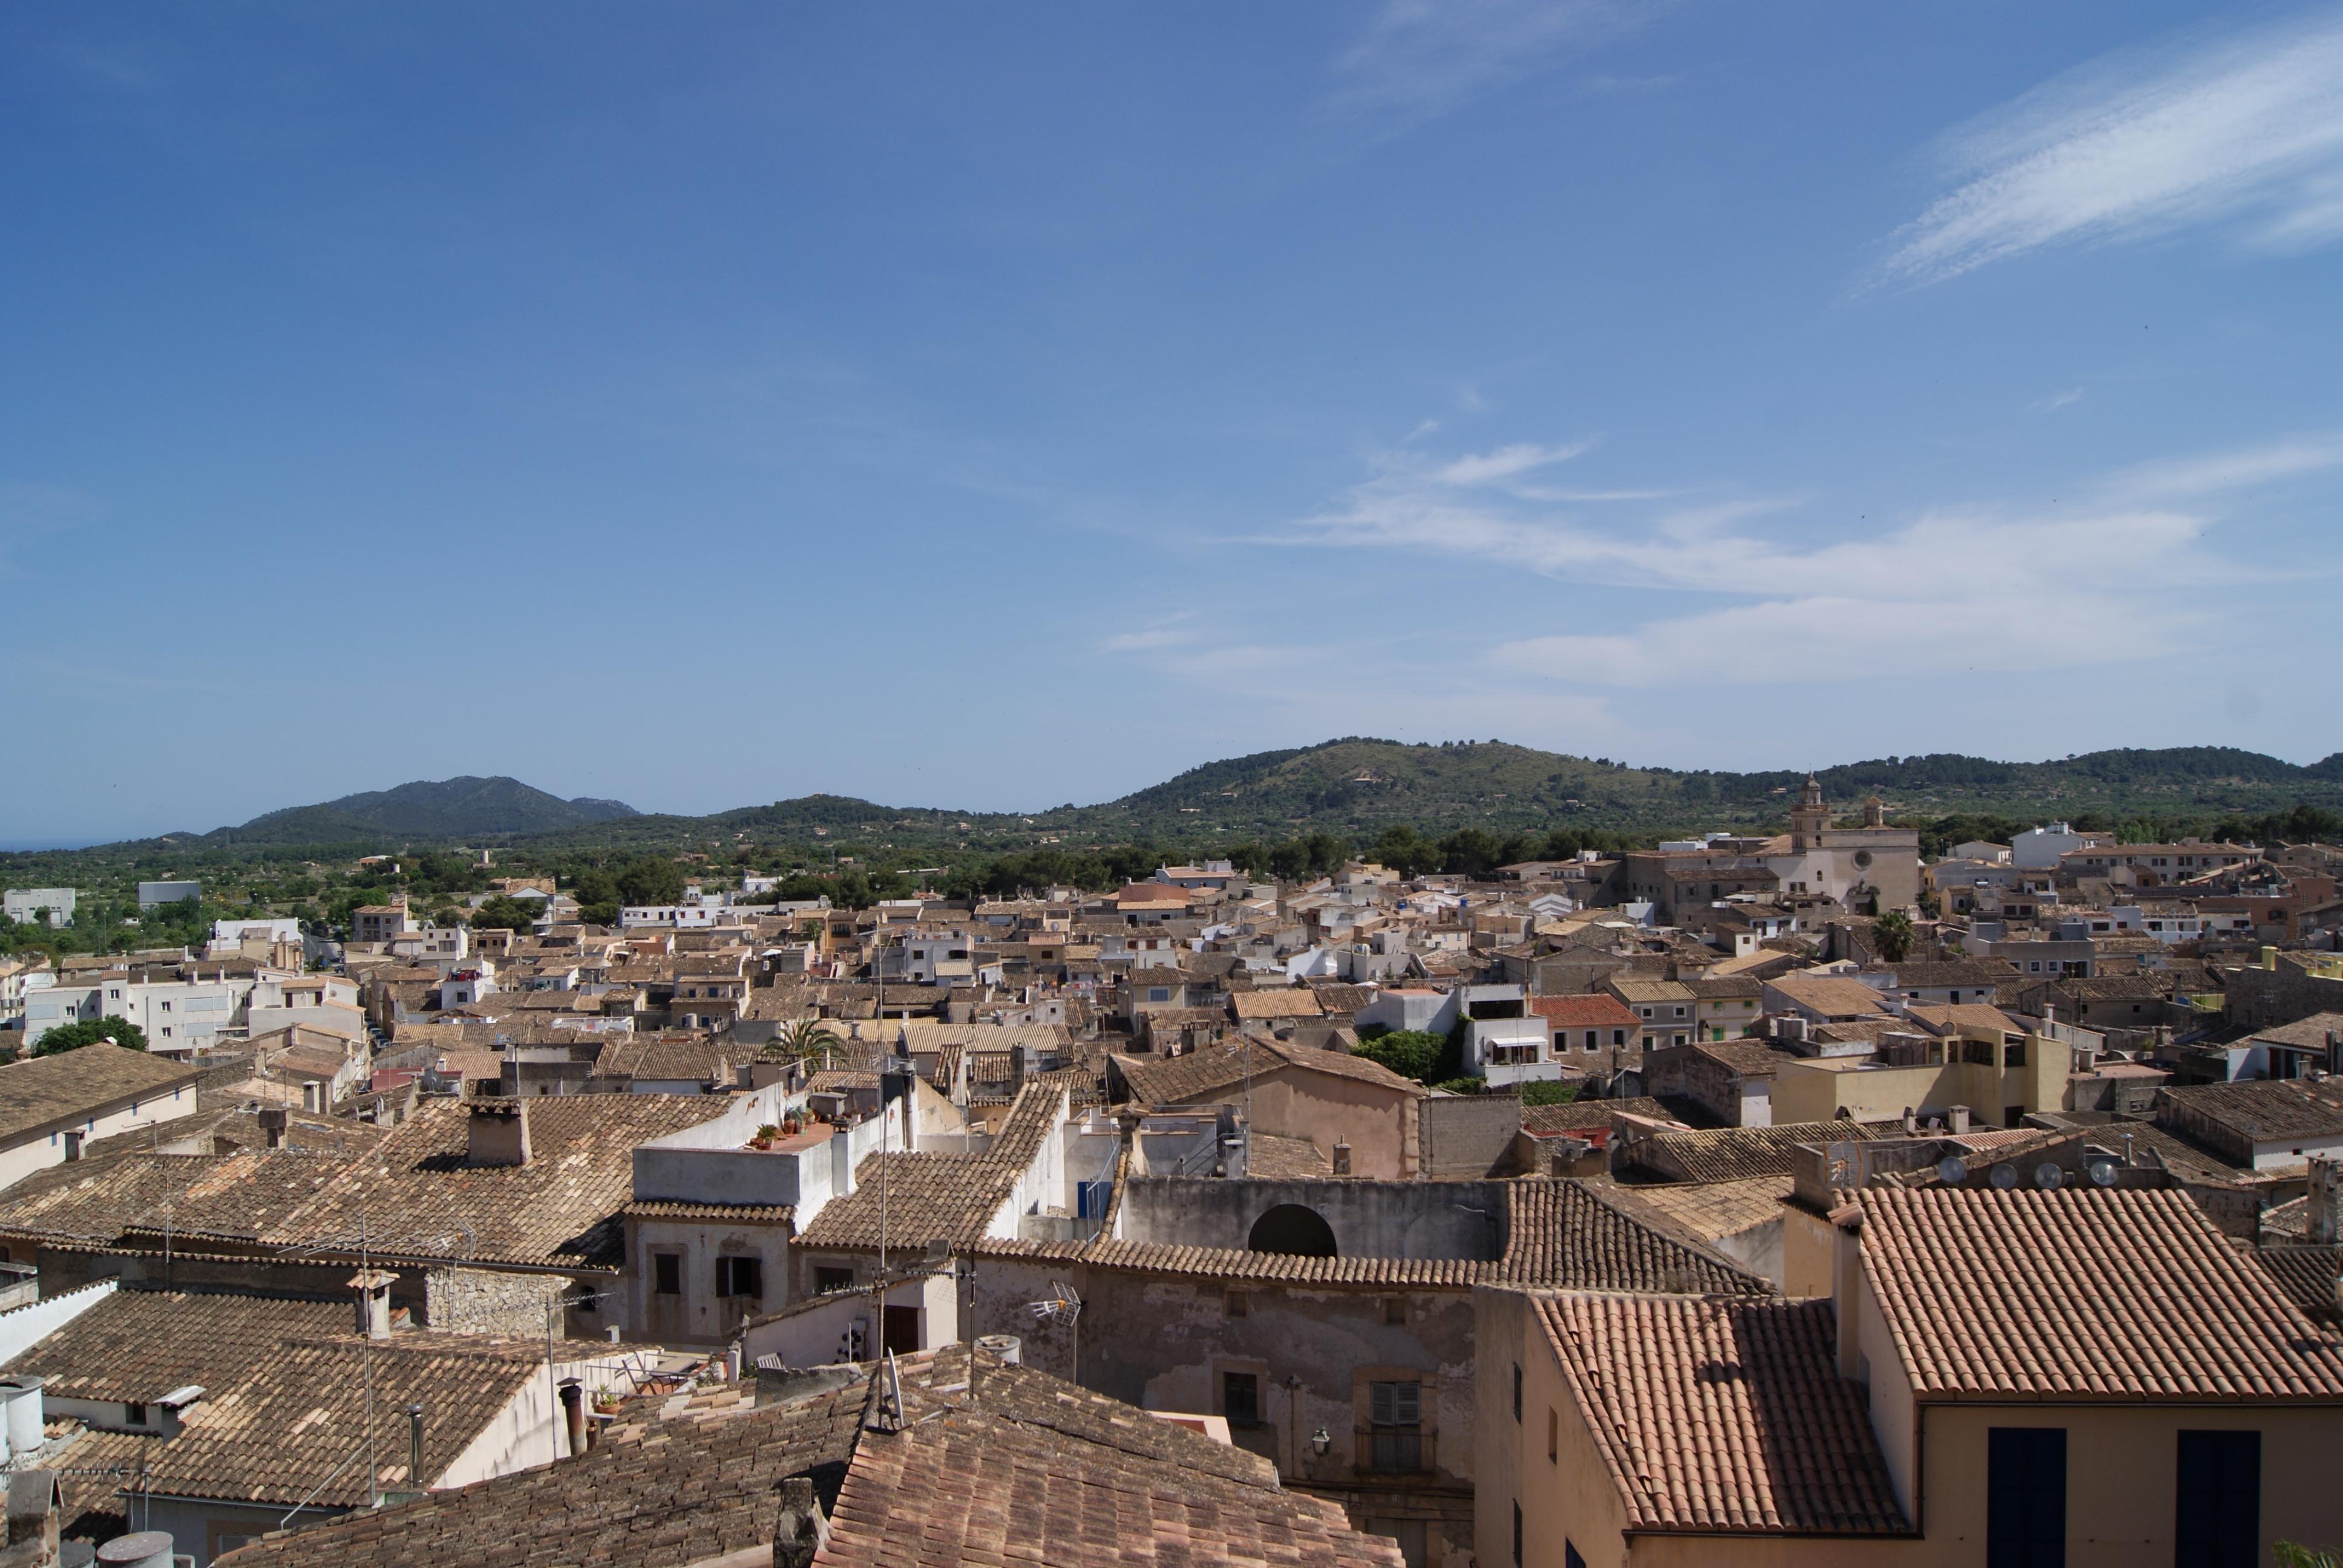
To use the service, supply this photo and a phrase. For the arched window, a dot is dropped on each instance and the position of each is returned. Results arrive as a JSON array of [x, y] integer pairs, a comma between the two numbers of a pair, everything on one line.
[[1293, 1229]]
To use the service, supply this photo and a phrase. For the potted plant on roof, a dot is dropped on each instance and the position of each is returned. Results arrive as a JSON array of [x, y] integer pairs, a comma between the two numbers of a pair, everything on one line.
[[764, 1136]]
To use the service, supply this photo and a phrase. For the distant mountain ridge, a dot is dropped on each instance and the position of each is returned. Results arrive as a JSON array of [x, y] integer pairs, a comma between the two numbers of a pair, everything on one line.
[[464, 807], [1356, 784]]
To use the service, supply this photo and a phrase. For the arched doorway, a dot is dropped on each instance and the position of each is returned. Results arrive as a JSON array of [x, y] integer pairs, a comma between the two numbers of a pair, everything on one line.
[[1293, 1229]]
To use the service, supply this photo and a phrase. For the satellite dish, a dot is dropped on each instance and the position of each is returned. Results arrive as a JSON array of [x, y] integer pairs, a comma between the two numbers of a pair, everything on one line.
[[2004, 1178], [2048, 1177], [2103, 1172], [1951, 1172]]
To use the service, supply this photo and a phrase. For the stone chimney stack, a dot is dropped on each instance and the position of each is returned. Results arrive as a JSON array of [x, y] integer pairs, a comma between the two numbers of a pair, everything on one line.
[[500, 1133], [2324, 1217], [273, 1119], [801, 1531], [1956, 1120], [373, 1287], [1341, 1159]]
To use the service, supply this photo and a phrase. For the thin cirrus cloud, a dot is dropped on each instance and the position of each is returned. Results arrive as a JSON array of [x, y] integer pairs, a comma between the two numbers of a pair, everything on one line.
[[2121, 575], [2244, 131], [1418, 59]]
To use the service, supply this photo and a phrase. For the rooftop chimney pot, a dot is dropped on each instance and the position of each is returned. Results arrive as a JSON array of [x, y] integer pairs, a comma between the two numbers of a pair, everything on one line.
[[499, 1134]]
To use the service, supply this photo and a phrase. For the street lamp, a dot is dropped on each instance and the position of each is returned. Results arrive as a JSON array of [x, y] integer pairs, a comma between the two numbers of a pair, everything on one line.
[[1320, 1441]]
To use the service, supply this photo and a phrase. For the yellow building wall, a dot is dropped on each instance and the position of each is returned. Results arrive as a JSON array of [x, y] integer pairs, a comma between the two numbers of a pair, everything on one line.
[[1815, 1092]]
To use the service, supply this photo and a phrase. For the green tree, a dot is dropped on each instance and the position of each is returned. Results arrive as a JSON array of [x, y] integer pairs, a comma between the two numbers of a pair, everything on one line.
[[650, 881], [804, 1039], [67, 1037], [501, 913], [1410, 1052], [1893, 932], [1545, 1091]]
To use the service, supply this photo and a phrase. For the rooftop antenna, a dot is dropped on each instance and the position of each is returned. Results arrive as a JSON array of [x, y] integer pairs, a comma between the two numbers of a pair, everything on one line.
[[1062, 1305]]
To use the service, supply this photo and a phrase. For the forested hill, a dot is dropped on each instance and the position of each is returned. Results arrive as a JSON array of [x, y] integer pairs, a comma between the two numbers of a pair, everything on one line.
[[446, 810], [1356, 787]]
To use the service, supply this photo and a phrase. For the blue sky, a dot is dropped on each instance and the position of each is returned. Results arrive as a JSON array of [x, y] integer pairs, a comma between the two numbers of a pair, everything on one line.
[[991, 406]]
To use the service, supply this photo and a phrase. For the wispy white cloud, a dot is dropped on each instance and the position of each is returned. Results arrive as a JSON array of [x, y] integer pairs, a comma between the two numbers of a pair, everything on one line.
[[1508, 462], [2056, 401], [2239, 468], [1172, 631], [1418, 59], [1971, 586], [2245, 130]]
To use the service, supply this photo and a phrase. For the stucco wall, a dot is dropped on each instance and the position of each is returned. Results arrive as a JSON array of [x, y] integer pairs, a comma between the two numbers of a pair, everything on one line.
[[1369, 1219], [1163, 1342]]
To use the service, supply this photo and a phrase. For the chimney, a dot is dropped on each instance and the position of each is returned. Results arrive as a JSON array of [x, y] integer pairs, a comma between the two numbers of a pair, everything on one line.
[[573, 1414], [414, 1481], [373, 1287], [272, 1125], [801, 1531], [312, 1097], [1958, 1121], [1016, 1069], [2324, 1219], [1342, 1159], [500, 1133], [1911, 1122]]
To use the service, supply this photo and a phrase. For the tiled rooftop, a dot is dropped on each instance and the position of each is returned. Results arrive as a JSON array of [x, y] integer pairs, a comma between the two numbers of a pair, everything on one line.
[[1018, 1467], [2083, 1294], [1724, 1416]]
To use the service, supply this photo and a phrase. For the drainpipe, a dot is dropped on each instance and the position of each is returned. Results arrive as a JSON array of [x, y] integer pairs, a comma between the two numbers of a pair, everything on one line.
[[414, 1481]]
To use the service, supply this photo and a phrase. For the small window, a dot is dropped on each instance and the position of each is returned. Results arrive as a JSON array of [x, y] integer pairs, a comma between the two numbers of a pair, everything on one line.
[[135, 1413], [2025, 1497], [1395, 1310], [1240, 1398], [1517, 1391], [2220, 1497], [736, 1276], [1517, 1535], [667, 1273], [828, 1280], [1234, 1304]]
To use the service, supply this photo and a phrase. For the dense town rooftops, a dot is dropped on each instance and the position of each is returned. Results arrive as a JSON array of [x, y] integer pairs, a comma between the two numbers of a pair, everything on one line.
[[1012, 1464], [284, 1393], [416, 1192]]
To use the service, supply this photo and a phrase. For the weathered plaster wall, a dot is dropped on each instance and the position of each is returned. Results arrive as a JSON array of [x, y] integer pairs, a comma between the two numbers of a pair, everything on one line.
[[1369, 1219]]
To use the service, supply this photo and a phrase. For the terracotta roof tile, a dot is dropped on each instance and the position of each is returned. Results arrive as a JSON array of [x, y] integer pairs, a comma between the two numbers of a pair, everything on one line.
[[1723, 1415], [2083, 1294]]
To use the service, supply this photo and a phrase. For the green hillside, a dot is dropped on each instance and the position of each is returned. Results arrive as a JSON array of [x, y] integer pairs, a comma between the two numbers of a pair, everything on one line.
[[449, 809]]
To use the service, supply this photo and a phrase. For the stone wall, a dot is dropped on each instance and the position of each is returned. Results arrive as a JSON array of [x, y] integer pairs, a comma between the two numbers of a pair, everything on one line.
[[478, 1301], [1467, 1135]]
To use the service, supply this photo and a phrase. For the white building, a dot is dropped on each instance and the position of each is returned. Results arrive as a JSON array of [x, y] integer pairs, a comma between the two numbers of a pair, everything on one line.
[[38, 906], [50, 1106], [153, 893], [2038, 848]]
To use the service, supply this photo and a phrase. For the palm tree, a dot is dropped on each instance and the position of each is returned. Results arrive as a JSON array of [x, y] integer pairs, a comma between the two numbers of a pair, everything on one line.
[[800, 1040], [1893, 931], [2290, 1555]]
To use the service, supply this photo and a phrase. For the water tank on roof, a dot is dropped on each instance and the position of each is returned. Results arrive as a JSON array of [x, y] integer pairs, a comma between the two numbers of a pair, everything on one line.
[[140, 1549], [21, 1395]]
